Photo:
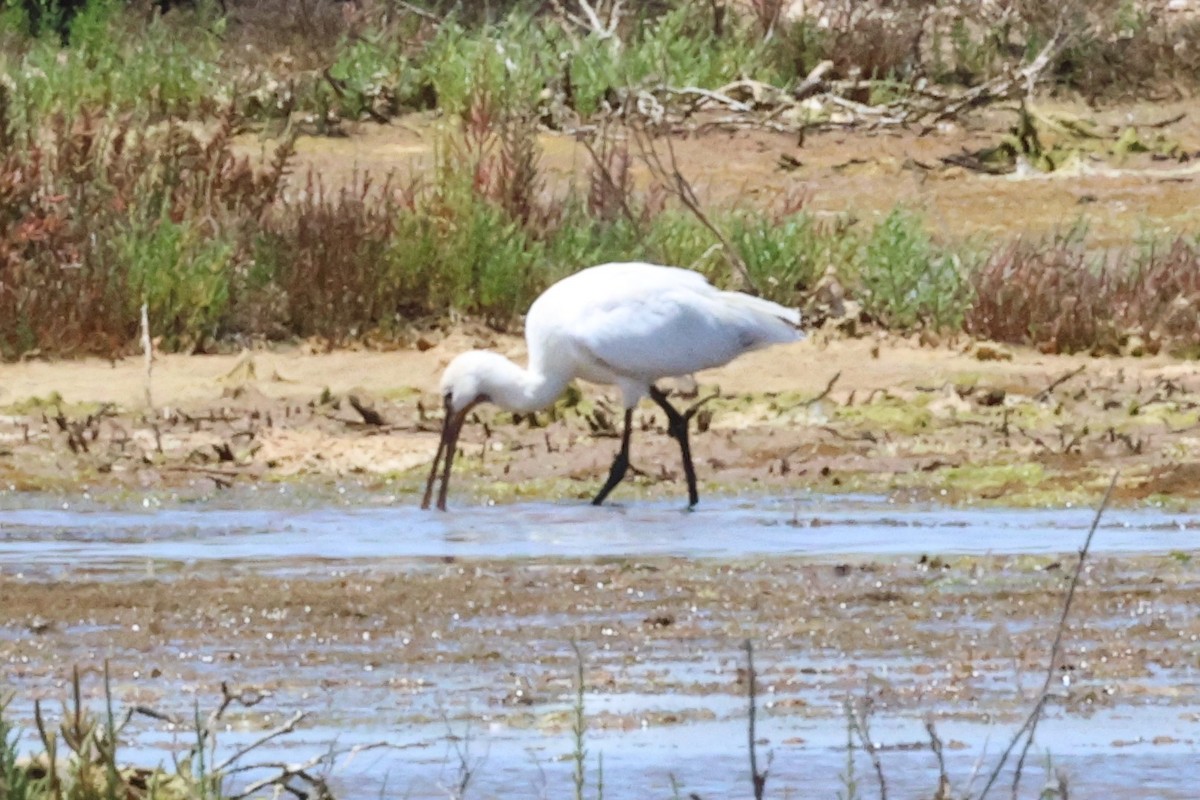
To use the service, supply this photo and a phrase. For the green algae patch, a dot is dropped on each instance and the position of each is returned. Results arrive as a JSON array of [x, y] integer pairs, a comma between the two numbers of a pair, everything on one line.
[[891, 414], [633, 488], [975, 476], [1172, 415], [53, 403], [401, 394], [542, 489], [1010, 483]]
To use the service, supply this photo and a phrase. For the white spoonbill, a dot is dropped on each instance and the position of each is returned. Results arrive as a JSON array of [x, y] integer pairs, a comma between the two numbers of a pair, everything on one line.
[[623, 324]]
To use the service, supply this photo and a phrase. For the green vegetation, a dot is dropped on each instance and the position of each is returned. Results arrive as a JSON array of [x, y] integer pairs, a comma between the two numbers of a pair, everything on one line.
[[907, 282], [79, 759], [120, 185]]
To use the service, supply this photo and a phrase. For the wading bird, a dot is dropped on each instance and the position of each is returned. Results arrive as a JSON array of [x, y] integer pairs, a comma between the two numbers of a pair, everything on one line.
[[625, 324]]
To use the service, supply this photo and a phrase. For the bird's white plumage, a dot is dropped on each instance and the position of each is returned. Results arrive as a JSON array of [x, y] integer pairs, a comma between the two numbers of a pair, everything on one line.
[[630, 324], [625, 324]]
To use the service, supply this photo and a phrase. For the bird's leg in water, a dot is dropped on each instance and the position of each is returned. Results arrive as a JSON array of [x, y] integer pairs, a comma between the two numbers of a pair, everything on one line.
[[677, 427], [620, 463]]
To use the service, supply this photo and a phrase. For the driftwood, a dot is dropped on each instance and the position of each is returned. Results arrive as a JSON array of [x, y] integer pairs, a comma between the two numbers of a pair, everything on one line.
[[816, 102]]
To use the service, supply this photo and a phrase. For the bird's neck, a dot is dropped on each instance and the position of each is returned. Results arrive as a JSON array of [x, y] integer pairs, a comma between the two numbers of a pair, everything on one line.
[[521, 390]]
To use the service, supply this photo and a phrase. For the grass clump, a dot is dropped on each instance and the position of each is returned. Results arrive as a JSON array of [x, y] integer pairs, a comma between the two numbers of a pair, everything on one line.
[[116, 59], [80, 759], [101, 216], [1061, 300], [785, 254], [320, 264], [907, 281]]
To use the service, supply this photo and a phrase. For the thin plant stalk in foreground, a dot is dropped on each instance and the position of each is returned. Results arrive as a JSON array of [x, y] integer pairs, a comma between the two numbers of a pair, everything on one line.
[[1029, 727]]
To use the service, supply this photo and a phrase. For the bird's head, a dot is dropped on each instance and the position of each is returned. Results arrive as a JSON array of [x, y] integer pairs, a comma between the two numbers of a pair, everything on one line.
[[466, 383]]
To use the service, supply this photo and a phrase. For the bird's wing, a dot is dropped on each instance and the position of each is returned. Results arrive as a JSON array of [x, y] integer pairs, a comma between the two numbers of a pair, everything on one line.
[[650, 334]]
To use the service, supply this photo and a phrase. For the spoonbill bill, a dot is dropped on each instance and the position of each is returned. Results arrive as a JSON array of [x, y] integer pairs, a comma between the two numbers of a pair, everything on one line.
[[622, 324]]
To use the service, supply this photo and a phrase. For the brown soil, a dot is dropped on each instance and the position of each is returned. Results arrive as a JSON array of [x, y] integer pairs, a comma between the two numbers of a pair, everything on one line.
[[900, 417], [863, 175]]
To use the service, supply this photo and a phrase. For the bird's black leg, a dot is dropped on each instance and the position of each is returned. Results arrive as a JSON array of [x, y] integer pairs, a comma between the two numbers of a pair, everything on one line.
[[620, 463], [677, 427]]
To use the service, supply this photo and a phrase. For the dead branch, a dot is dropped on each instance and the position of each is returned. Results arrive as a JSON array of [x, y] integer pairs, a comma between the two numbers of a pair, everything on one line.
[[746, 121], [588, 19], [671, 178], [287, 772], [813, 82], [878, 115], [1000, 88], [288, 726], [703, 97]]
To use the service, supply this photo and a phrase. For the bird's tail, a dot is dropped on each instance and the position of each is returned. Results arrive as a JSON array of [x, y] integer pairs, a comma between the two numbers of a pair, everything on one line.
[[774, 323]]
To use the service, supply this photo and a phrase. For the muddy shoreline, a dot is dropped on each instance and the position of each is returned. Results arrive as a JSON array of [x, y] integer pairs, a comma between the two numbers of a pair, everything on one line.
[[968, 423]]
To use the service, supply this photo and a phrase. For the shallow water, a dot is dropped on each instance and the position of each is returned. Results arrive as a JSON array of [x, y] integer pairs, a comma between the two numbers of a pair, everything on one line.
[[41, 537], [686, 726]]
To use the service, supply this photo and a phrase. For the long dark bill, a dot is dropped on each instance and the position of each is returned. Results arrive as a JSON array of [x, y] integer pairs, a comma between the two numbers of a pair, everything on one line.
[[451, 427]]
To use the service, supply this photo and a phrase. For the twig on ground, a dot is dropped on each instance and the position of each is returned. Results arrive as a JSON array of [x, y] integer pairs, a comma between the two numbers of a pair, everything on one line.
[[701, 97], [369, 414], [824, 392], [1029, 727], [1044, 394]]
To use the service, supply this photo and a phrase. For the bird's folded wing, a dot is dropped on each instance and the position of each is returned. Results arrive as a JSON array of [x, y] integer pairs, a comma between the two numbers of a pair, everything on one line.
[[677, 332]]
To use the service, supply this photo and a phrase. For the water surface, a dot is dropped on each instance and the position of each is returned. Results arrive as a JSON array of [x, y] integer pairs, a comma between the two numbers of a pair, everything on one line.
[[1142, 746], [33, 537]]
